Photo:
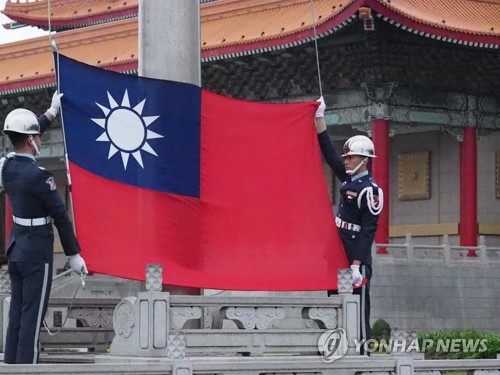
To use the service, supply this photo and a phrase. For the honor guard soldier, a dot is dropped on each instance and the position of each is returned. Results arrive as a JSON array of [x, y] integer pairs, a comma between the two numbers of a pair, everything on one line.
[[361, 202], [35, 203]]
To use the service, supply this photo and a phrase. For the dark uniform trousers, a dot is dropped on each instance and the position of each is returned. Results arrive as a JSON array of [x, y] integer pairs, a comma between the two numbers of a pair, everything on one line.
[[35, 205], [30, 284], [357, 219], [364, 293], [364, 300]]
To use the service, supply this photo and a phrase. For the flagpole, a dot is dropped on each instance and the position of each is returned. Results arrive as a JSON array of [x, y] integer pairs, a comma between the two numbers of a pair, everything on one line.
[[170, 52], [55, 50]]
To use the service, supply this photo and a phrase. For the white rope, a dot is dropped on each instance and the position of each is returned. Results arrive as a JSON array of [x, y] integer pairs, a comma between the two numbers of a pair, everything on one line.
[[48, 18], [82, 284], [316, 48], [374, 206], [66, 318]]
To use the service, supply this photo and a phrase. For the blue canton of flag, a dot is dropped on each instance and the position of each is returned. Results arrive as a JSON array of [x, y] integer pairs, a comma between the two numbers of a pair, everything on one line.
[[141, 135]]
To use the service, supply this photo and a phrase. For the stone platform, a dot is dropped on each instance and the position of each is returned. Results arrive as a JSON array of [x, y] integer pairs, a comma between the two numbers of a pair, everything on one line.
[[265, 365]]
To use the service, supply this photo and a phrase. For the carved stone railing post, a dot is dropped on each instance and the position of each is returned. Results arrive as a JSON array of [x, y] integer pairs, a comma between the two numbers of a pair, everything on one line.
[[344, 280], [446, 250], [351, 319], [154, 277], [404, 342], [374, 250], [409, 248], [4, 282], [350, 309], [142, 324], [404, 366], [483, 255], [4, 316], [4, 305]]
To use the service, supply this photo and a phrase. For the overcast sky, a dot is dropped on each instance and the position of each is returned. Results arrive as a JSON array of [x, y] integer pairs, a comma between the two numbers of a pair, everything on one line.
[[8, 36]]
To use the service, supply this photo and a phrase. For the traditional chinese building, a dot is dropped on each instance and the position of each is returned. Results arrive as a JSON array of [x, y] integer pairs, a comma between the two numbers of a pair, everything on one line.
[[421, 78]]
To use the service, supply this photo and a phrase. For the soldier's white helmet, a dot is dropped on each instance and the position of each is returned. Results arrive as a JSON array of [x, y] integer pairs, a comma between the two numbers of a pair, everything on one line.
[[21, 121], [359, 145]]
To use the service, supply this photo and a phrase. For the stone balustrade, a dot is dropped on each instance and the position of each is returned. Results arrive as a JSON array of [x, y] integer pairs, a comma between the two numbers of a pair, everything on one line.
[[409, 252], [153, 323], [89, 323], [150, 336]]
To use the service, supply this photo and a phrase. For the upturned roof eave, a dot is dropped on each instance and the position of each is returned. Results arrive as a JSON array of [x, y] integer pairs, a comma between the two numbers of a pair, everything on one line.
[[340, 20], [430, 30], [77, 22], [294, 39], [383, 10], [49, 80]]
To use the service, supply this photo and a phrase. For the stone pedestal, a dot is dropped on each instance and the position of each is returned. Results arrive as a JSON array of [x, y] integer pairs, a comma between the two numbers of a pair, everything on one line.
[[142, 324]]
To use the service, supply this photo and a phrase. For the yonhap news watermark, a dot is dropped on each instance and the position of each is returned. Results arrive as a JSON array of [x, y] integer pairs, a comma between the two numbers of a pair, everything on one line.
[[333, 345]]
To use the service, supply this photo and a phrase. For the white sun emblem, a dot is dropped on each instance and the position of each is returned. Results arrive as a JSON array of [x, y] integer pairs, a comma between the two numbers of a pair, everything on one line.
[[126, 129]]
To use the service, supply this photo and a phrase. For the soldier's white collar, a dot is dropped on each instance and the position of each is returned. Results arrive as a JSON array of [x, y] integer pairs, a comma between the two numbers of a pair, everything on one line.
[[362, 174], [26, 155]]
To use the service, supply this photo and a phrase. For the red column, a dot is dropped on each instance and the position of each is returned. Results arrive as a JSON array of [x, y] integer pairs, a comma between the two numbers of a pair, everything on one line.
[[380, 173], [468, 189]]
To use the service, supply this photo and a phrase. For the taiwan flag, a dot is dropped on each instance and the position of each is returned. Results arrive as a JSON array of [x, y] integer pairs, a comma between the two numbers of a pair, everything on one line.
[[224, 193]]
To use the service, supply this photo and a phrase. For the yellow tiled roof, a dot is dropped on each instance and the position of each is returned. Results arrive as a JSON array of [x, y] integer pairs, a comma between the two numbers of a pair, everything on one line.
[[481, 17], [229, 28], [468, 16], [235, 22], [30, 62], [68, 12]]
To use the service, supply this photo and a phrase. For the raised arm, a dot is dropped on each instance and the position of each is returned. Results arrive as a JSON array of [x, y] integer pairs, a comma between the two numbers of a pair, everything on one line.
[[51, 113], [325, 142]]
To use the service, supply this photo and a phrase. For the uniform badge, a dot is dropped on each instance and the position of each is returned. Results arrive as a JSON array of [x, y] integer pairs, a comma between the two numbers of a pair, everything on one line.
[[52, 183], [353, 194]]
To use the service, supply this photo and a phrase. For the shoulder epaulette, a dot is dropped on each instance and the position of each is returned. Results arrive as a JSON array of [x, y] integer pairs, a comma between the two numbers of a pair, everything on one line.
[[10, 155]]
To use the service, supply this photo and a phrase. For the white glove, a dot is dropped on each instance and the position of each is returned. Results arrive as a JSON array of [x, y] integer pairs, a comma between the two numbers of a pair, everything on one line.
[[55, 106], [78, 264], [357, 277], [320, 112]]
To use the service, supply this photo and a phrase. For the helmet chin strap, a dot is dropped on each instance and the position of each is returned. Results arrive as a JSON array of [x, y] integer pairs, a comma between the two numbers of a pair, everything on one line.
[[33, 143], [351, 172]]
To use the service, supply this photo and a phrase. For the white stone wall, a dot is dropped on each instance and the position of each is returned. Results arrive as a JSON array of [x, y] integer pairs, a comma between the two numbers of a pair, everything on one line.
[[443, 204], [436, 297]]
